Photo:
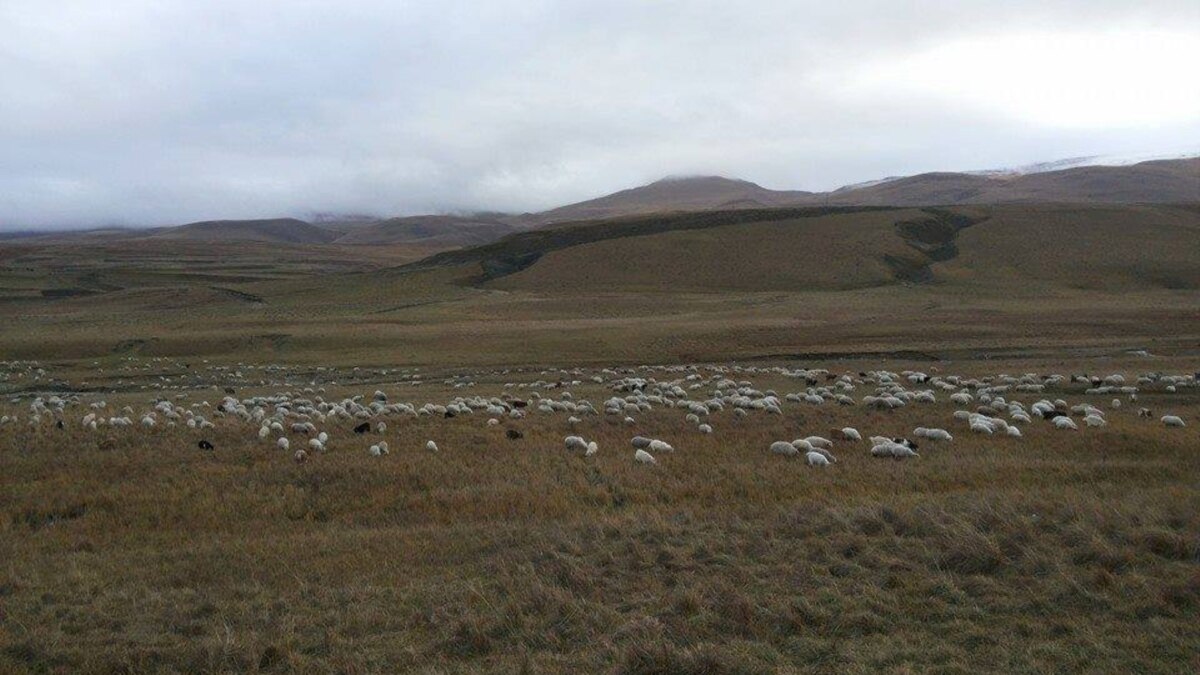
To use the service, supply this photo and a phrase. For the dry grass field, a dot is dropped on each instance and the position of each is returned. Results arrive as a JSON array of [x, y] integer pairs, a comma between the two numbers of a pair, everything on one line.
[[131, 550]]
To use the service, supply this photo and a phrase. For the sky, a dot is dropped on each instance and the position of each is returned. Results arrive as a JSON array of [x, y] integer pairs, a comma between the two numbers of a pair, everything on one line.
[[150, 112]]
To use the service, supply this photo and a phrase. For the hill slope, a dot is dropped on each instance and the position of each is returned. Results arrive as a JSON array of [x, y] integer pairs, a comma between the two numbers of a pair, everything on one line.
[[440, 230], [981, 248], [700, 193], [1155, 182], [276, 230]]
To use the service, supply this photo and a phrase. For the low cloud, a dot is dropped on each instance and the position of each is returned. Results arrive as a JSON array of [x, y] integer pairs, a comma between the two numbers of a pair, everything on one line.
[[153, 112]]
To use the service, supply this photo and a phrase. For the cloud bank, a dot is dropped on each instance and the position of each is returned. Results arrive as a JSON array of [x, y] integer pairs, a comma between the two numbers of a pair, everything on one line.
[[142, 112]]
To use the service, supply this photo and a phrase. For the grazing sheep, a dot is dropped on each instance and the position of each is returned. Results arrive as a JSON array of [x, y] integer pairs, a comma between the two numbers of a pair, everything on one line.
[[816, 459], [301, 456], [375, 450], [784, 448], [643, 457], [640, 442], [1065, 423], [1145, 412], [204, 445], [705, 429], [575, 443], [513, 434], [980, 426], [283, 443], [819, 442], [937, 435], [431, 446], [890, 448], [1172, 421], [1094, 421], [660, 446], [362, 428], [592, 448], [316, 444], [851, 434]]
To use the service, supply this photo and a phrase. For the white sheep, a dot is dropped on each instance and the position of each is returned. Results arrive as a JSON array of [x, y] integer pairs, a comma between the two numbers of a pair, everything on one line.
[[1172, 421], [784, 448], [431, 446], [816, 459], [1065, 423], [851, 434], [643, 457], [803, 445], [660, 446]]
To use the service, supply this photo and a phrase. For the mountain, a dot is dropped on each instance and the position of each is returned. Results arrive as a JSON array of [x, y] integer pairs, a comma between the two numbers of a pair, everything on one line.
[[1157, 181], [275, 230], [448, 231], [695, 193], [1090, 160], [1160, 182]]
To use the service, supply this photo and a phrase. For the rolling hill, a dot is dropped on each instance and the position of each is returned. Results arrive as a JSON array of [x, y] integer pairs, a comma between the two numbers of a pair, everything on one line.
[[697, 193], [275, 230], [1155, 182], [802, 249], [448, 231]]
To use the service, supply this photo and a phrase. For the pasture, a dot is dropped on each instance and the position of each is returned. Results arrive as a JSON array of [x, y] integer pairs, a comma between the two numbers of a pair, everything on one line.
[[131, 549]]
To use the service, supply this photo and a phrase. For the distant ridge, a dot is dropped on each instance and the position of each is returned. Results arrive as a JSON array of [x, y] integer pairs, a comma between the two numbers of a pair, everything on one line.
[[277, 230], [1084, 180], [1156, 181], [432, 230], [692, 193]]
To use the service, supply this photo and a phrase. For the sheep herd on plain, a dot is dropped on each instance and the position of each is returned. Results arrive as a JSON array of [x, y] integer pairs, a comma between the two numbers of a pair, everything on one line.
[[299, 420]]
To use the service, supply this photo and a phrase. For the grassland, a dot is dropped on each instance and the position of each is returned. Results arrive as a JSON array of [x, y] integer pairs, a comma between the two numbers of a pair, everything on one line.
[[130, 550], [713, 286]]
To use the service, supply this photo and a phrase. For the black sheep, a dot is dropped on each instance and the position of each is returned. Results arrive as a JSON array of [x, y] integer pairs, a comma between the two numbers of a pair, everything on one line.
[[362, 428]]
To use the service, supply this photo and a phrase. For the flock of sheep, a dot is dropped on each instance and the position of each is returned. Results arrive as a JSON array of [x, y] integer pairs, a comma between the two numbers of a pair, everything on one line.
[[300, 421]]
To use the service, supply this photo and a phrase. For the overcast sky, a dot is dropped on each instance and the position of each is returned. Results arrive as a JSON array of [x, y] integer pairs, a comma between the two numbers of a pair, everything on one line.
[[149, 112]]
